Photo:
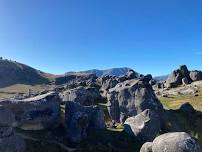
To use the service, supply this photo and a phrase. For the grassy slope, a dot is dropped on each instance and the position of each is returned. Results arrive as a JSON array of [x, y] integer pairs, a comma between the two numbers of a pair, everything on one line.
[[178, 121]]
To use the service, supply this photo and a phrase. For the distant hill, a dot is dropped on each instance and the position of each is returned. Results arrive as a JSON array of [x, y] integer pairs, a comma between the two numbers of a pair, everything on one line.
[[12, 72], [161, 78], [112, 71]]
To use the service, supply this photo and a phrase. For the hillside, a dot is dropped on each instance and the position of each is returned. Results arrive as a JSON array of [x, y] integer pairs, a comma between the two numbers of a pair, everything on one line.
[[12, 72], [112, 71]]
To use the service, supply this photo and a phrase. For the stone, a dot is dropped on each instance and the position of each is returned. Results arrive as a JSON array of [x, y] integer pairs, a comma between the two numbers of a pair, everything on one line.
[[79, 119], [73, 80], [185, 81], [145, 126], [146, 147], [7, 118], [175, 142], [9, 141], [132, 97], [175, 78], [196, 75], [35, 113], [187, 108], [83, 95]]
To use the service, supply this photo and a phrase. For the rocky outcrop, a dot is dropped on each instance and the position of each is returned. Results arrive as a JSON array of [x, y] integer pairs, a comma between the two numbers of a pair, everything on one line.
[[79, 119], [132, 97], [187, 108], [9, 141], [174, 142], [145, 126], [73, 80], [196, 75], [177, 77], [128, 76], [146, 147], [106, 83], [35, 113], [82, 95]]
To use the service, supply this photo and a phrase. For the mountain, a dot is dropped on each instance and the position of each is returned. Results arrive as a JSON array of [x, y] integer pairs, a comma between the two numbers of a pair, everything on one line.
[[12, 72], [161, 78], [112, 71]]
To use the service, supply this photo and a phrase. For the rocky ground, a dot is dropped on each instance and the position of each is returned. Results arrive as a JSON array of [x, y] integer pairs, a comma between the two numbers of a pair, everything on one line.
[[116, 114]]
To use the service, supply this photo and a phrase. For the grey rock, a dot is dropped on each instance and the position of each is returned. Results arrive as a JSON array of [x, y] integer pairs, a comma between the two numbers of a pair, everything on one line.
[[73, 80], [7, 118], [107, 82], [175, 78], [185, 81], [175, 142], [146, 147], [79, 119], [12, 143], [82, 95], [35, 113], [145, 126], [187, 108], [196, 75], [131, 98]]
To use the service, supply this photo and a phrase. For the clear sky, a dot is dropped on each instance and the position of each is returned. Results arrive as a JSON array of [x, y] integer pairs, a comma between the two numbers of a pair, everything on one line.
[[150, 36]]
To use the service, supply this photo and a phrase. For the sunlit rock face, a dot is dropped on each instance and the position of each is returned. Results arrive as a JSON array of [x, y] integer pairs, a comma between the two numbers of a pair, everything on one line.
[[36, 113], [132, 97]]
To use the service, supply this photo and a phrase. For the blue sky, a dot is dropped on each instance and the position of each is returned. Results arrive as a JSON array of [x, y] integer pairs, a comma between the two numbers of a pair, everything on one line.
[[150, 36]]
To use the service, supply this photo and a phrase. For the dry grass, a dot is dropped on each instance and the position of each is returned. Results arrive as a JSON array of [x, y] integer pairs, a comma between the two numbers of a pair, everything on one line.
[[174, 102], [10, 91]]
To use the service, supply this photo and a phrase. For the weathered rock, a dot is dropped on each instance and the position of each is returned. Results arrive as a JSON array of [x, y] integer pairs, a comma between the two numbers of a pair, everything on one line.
[[35, 113], [146, 147], [79, 119], [7, 118], [107, 82], [175, 142], [131, 98], [82, 95], [73, 80], [145, 126], [196, 75], [9, 141], [175, 78], [185, 81], [187, 108]]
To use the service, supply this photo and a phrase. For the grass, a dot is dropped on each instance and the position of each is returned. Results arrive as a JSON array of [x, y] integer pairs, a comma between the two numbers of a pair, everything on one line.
[[12, 90], [174, 102]]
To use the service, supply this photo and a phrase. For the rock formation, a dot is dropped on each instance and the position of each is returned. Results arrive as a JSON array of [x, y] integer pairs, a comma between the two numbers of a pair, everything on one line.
[[36, 113], [9, 141], [82, 95], [172, 142], [79, 119], [132, 97], [145, 126]]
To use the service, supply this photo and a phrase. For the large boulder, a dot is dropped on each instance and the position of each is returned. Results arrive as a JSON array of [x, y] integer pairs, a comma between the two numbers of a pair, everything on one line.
[[175, 78], [196, 75], [79, 119], [175, 142], [131, 74], [187, 108], [9, 141], [132, 97], [107, 82], [146, 147], [145, 126], [36, 113], [82, 95]]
